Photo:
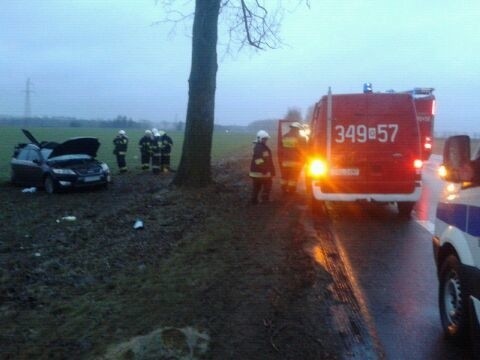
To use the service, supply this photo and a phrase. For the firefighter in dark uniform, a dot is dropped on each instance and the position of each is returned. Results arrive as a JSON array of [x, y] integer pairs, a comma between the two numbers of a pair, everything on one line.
[[121, 144], [292, 155], [262, 169], [165, 150], [145, 145], [156, 151]]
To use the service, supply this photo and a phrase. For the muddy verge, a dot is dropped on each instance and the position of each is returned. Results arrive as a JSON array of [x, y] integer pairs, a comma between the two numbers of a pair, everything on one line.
[[78, 281]]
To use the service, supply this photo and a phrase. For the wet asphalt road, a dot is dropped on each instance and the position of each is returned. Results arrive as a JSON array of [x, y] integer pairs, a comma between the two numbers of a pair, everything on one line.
[[392, 270]]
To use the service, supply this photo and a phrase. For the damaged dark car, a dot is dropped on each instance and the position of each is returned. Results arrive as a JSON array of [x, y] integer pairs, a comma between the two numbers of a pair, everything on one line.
[[59, 166]]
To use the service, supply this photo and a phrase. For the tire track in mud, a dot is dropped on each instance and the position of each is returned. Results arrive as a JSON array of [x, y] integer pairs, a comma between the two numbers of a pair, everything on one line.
[[349, 314]]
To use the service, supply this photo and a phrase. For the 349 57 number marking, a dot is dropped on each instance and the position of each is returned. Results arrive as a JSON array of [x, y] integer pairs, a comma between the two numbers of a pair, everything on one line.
[[361, 133]]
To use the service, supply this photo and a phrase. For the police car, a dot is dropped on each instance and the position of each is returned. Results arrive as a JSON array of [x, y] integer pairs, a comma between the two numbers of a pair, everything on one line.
[[456, 243]]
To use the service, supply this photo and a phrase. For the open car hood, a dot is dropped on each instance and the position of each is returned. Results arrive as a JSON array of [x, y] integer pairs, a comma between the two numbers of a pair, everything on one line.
[[30, 137], [80, 145]]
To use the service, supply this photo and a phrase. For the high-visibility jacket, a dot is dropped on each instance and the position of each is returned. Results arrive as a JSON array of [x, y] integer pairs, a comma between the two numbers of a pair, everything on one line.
[[121, 145], [145, 144], [166, 144], [156, 145], [156, 154], [261, 165], [293, 150]]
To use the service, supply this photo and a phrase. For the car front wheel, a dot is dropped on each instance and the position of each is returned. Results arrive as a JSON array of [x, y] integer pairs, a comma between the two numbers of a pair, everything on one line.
[[13, 178], [49, 185], [453, 300]]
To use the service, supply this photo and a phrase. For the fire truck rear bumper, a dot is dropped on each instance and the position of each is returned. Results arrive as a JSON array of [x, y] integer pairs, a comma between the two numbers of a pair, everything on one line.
[[319, 195]]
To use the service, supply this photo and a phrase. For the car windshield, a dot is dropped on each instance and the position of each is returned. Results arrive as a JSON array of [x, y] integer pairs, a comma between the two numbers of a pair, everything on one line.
[[46, 152]]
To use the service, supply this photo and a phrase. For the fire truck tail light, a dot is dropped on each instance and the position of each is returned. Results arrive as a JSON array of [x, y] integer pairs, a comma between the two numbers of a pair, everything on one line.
[[417, 164], [427, 146], [317, 168]]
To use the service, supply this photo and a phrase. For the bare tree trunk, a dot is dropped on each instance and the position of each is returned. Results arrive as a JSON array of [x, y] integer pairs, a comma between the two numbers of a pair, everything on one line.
[[194, 169]]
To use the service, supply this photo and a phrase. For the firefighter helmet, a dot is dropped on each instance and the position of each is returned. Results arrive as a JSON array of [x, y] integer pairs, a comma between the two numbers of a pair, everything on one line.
[[262, 134], [296, 125], [121, 132], [148, 132], [160, 132]]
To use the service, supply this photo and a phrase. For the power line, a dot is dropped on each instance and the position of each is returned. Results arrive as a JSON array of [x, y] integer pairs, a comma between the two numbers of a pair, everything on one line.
[[28, 91]]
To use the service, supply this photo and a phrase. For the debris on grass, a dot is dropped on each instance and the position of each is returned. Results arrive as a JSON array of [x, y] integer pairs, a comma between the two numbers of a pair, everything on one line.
[[69, 218], [29, 190], [138, 224]]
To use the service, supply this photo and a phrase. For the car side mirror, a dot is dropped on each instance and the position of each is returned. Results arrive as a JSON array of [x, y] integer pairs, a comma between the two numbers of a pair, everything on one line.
[[456, 159]]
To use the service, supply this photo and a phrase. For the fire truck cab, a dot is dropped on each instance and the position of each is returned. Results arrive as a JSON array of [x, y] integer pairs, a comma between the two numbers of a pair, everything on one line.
[[366, 147]]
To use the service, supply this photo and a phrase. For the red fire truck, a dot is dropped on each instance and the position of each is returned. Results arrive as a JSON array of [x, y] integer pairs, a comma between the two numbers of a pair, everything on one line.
[[366, 147]]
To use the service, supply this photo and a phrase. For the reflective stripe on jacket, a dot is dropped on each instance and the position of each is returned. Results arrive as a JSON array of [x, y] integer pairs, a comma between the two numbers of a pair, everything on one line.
[[155, 145], [121, 143], [293, 148], [290, 163], [166, 144], [254, 174], [145, 144], [262, 162]]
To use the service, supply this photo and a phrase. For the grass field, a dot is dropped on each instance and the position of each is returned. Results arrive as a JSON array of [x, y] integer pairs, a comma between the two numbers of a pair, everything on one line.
[[224, 144]]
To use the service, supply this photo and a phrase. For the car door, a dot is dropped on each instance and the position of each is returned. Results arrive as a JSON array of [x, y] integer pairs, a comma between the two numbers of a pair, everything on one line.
[[34, 170], [20, 165]]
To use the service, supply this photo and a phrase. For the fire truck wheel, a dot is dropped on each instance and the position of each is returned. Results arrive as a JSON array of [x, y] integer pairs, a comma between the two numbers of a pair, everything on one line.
[[453, 300], [308, 186], [405, 208], [318, 208]]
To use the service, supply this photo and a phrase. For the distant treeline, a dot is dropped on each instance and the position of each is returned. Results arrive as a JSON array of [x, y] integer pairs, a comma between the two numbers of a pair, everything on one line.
[[124, 122], [47, 121]]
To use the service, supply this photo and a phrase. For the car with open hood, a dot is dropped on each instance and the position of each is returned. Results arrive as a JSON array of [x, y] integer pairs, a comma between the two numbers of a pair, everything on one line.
[[58, 166]]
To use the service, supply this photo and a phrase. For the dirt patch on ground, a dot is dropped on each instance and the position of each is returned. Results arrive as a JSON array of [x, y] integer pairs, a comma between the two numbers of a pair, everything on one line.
[[206, 263]]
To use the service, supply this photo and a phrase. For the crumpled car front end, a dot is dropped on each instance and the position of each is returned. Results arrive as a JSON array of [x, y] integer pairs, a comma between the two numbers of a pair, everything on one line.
[[77, 171]]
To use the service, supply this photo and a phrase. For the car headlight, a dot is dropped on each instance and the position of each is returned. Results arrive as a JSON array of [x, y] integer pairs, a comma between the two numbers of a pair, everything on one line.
[[442, 171], [105, 167], [63, 171]]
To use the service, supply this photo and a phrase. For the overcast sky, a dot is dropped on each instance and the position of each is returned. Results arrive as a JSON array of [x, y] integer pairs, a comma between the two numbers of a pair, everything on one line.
[[103, 58]]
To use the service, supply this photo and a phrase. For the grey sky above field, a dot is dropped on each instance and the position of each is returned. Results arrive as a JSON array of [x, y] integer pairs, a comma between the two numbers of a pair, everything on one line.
[[103, 58]]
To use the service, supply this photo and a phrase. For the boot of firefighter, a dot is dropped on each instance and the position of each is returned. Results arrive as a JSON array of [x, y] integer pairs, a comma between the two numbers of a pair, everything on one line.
[[265, 196], [284, 186], [255, 192]]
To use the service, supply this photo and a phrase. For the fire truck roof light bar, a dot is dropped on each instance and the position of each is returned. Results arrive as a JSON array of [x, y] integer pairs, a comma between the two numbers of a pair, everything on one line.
[[423, 91]]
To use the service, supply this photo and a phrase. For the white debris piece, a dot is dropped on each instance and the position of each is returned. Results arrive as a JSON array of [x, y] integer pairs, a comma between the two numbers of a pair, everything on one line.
[[138, 224], [69, 218], [29, 190]]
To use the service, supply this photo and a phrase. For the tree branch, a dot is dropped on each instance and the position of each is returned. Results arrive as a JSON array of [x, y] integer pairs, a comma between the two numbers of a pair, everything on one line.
[[246, 22]]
